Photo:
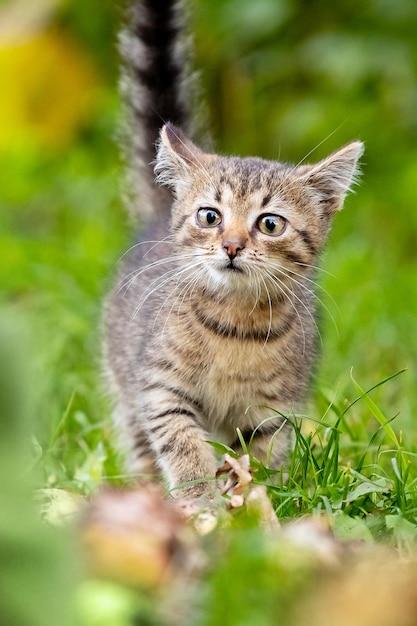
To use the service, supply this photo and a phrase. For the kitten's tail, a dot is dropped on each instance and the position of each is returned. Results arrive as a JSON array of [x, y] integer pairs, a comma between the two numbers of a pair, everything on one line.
[[156, 89]]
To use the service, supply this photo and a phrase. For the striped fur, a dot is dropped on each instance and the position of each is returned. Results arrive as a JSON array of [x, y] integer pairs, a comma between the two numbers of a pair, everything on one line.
[[211, 324]]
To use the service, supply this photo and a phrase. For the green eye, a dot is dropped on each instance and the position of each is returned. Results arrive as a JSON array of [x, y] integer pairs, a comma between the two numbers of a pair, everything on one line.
[[273, 225], [208, 218]]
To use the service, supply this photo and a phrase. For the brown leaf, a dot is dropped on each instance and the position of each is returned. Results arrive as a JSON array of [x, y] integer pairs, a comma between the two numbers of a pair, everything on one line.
[[315, 538], [377, 588], [136, 537], [239, 477]]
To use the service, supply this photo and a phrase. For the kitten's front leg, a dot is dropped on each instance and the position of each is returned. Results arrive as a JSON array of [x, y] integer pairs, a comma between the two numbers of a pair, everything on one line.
[[180, 448]]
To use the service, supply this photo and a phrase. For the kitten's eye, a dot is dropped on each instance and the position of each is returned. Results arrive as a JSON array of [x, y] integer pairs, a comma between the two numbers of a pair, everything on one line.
[[208, 217], [271, 225]]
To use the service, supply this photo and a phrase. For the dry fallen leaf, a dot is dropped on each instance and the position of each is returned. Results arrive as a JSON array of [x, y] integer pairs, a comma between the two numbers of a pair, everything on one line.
[[239, 475], [137, 537], [376, 588], [242, 492], [314, 537]]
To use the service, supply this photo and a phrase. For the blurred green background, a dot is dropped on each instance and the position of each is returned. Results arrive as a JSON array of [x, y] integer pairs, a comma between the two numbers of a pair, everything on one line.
[[282, 79]]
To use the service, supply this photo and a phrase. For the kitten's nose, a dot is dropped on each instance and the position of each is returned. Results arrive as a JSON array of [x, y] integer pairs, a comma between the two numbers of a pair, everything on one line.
[[233, 247]]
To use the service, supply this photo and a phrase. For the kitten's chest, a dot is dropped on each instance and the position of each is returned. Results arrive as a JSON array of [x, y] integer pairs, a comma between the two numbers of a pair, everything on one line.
[[229, 345], [240, 385], [232, 362]]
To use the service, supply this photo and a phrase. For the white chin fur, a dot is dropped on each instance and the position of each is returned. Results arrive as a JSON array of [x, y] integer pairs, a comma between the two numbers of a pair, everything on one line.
[[219, 279]]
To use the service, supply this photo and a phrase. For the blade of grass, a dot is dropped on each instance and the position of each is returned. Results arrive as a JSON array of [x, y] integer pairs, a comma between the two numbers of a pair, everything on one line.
[[375, 410]]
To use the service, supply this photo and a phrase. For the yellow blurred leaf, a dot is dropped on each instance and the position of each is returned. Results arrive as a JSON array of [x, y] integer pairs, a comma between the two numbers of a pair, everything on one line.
[[136, 537], [49, 90]]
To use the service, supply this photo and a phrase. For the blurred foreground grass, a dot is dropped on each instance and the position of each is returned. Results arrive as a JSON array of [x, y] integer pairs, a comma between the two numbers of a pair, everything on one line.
[[279, 80], [37, 577]]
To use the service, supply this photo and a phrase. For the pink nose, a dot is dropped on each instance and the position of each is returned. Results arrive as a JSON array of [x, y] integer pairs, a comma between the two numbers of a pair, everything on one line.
[[233, 247]]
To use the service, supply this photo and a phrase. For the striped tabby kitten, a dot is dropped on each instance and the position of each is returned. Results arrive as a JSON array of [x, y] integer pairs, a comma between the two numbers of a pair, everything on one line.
[[211, 325]]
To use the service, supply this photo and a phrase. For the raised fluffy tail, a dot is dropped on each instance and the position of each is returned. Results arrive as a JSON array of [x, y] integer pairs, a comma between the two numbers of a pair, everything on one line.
[[156, 88]]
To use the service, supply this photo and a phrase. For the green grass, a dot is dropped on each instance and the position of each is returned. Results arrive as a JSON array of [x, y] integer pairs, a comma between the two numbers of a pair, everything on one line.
[[349, 462]]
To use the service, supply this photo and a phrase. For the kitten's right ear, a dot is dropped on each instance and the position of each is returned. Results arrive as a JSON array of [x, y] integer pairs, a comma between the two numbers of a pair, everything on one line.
[[176, 156]]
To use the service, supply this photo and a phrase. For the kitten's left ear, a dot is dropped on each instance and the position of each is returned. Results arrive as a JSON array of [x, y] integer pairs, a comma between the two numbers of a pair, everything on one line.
[[334, 176]]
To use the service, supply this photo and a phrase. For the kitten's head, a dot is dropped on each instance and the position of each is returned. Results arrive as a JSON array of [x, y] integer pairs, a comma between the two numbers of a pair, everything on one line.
[[249, 222]]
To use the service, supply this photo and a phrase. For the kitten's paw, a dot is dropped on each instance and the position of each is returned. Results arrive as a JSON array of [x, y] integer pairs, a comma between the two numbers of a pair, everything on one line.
[[201, 513], [188, 507]]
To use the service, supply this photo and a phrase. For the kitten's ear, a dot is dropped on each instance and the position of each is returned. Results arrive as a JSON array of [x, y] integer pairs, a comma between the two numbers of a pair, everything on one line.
[[334, 176], [176, 157]]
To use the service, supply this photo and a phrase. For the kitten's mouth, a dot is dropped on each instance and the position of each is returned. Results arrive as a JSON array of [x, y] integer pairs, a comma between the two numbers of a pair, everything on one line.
[[231, 267]]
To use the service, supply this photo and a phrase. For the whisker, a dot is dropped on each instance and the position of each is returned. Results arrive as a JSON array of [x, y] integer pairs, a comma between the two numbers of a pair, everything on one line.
[[188, 280], [270, 310], [288, 273], [193, 285], [291, 169], [291, 294], [129, 278], [189, 288], [252, 274], [320, 143], [156, 243], [141, 243], [160, 282], [315, 267], [285, 273]]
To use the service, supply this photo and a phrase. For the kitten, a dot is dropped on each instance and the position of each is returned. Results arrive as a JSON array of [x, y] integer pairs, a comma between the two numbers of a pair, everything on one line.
[[211, 324]]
